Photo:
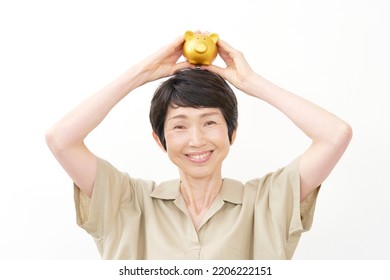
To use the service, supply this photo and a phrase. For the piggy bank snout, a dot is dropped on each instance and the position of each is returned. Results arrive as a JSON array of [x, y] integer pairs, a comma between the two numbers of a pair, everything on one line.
[[200, 47]]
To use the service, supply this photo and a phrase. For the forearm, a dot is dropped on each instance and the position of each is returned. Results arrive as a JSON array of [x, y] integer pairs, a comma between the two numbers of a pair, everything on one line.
[[73, 128], [76, 125], [317, 123]]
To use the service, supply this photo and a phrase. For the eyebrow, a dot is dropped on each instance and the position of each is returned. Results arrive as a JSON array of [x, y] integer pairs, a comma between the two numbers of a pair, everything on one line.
[[182, 116]]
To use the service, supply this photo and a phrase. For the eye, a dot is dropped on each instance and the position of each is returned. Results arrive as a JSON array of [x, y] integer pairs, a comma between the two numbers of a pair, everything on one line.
[[178, 127], [210, 123]]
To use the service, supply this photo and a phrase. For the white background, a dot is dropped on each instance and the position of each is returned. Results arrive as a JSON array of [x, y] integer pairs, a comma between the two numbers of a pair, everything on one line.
[[54, 54]]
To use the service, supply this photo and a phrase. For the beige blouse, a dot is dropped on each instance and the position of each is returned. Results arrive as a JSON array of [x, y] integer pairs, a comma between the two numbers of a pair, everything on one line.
[[138, 219]]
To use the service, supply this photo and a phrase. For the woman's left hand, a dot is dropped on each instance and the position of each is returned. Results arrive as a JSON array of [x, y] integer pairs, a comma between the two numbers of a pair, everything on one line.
[[237, 71]]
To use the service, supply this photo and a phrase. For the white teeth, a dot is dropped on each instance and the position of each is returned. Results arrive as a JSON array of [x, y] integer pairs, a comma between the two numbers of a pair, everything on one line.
[[199, 157]]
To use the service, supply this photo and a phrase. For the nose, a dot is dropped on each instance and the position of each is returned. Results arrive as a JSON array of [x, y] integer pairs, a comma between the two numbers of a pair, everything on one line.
[[201, 47], [197, 137]]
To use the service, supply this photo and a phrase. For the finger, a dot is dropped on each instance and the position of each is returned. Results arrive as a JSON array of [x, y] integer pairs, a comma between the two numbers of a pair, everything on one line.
[[178, 42], [227, 52], [224, 45], [182, 65], [215, 69]]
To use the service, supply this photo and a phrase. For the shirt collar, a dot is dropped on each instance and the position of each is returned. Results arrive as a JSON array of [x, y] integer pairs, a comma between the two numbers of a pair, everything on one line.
[[231, 191], [168, 190]]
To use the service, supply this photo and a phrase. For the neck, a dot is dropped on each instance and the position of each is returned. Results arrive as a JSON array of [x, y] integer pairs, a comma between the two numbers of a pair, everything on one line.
[[199, 194]]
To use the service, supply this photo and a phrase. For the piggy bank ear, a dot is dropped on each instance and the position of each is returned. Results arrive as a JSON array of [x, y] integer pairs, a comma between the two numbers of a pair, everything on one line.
[[214, 37], [188, 35]]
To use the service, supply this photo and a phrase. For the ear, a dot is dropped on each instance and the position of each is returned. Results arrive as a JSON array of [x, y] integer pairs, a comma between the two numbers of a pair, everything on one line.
[[214, 37], [157, 139], [188, 35]]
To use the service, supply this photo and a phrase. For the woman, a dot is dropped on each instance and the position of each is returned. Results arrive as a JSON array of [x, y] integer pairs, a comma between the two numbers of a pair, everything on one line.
[[201, 215]]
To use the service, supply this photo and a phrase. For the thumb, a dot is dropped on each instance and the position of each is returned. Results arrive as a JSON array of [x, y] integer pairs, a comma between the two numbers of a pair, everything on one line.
[[215, 69], [181, 65]]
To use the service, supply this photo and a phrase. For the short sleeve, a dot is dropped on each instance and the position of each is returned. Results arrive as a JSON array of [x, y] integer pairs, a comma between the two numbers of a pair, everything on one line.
[[114, 213], [98, 214], [283, 214], [285, 204]]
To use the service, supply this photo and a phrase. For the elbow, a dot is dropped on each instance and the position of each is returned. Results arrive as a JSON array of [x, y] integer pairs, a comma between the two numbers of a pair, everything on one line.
[[347, 132], [344, 135], [50, 138], [54, 141], [61, 141]]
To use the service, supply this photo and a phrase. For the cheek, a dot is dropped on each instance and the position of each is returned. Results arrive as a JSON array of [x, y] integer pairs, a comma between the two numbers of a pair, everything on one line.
[[174, 140], [219, 136]]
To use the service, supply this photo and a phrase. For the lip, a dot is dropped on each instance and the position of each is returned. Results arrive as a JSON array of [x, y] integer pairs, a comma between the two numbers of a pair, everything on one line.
[[199, 157]]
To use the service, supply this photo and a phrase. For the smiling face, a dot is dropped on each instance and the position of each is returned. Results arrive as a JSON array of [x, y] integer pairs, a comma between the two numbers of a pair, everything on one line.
[[194, 119], [197, 140], [193, 89]]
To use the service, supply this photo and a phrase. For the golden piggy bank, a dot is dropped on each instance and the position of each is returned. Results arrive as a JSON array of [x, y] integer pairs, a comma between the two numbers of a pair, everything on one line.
[[200, 49]]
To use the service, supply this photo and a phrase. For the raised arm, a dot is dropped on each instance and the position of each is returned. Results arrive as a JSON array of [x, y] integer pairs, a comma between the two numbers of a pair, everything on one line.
[[329, 134], [66, 137]]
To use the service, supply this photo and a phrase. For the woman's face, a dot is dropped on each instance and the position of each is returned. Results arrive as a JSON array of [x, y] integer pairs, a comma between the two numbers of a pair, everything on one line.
[[197, 140]]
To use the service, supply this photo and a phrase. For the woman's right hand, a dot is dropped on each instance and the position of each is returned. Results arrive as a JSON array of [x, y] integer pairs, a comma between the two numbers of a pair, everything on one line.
[[163, 62]]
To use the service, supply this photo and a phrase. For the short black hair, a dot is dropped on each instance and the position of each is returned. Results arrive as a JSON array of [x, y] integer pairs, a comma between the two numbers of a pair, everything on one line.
[[197, 89]]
